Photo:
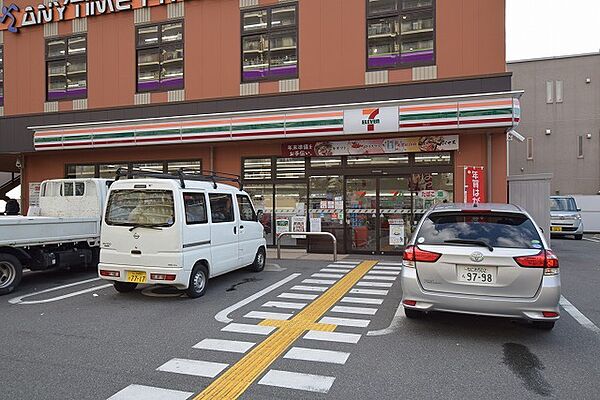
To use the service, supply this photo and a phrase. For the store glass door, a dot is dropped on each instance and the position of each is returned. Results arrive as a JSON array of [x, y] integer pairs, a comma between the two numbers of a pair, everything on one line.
[[361, 215], [395, 214]]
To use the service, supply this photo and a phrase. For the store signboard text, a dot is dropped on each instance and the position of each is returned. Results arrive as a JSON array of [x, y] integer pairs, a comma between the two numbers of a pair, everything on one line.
[[474, 185]]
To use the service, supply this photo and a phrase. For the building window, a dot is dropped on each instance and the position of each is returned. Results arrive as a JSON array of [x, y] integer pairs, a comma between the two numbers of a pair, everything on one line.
[[160, 57], [66, 68], [1, 76], [559, 91], [109, 170], [579, 146], [269, 43], [549, 92], [530, 148], [401, 33]]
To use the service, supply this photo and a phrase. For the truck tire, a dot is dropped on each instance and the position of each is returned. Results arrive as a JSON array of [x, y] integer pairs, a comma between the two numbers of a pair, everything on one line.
[[259, 261], [125, 287], [11, 272], [578, 237], [198, 281]]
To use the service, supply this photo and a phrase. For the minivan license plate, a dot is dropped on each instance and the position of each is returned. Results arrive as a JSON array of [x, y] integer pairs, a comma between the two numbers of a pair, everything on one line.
[[472, 274], [136, 276]]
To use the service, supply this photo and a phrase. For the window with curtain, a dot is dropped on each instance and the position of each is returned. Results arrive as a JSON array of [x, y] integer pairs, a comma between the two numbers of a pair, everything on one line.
[[66, 68]]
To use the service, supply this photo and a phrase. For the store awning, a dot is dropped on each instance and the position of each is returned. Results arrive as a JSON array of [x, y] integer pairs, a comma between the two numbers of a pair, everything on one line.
[[489, 110]]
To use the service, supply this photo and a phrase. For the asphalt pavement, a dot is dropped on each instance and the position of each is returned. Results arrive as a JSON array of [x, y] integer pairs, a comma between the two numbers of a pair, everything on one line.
[[71, 336]]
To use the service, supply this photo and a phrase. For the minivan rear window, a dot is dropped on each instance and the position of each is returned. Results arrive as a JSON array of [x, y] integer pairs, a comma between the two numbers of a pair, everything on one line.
[[496, 230], [140, 207]]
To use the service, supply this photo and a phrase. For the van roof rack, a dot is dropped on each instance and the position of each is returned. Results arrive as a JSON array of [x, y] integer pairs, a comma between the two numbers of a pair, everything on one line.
[[181, 175]]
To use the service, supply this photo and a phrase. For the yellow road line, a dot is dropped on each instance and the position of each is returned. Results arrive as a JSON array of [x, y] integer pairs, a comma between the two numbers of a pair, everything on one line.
[[234, 382]]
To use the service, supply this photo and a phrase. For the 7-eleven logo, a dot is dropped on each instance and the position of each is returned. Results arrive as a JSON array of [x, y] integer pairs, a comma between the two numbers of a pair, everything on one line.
[[371, 120]]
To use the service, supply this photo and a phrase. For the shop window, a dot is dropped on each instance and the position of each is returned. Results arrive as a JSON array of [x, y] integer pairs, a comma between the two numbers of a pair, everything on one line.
[[257, 169], [290, 205], [1, 76], [160, 57], [433, 158], [326, 162], [269, 43], [109, 171], [291, 168], [195, 208], [262, 197], [221, 208], [66, 68], [246, 210], [81, 171], [157, 167], [326, 203], [188, 166], [401, 33], [367, 160]]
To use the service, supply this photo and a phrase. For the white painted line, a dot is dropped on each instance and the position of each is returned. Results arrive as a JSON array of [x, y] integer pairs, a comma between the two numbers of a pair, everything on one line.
[[233, 346], [268, 315], [248, 328], [340, 267], [141, 392], [336, 270], [361, 300], [375, 284], [395, 273], [578, 315], [354, 310], [296, 380], [309, 288], [357, 323], [335, 276], [591, 240], [298, 296], [19, 300], [284, 304], [399, 316], [348, 262], [392, 264], [325, 356], [333, 336], [375, 292], [379, 278], [319, 281], [205, 369], [378, 268], [223, 316]]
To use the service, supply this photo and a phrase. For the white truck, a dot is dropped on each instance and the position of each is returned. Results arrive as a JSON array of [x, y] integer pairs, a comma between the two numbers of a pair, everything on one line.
[[63, 232]]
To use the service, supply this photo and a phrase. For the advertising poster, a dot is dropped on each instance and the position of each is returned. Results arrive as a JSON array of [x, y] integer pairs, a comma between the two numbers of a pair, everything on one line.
[[34, 194], [315, 224], [475, 185], [282, 225], [299, 225], [396, 235]]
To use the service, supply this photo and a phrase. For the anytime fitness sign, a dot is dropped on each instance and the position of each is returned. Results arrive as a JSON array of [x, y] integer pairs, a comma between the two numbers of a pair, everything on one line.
[[13, 18]]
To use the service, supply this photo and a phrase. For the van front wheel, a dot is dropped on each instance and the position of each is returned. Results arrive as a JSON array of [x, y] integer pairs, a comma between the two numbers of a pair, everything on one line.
[[125, 287], [259, 261], [198, 280]]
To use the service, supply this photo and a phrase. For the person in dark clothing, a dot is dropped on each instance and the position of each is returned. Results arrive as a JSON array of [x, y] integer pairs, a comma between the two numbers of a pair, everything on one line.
[[12, 207]]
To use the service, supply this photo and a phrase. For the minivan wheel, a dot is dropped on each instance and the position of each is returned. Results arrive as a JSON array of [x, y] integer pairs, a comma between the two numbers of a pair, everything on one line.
[[198, 280], [259, 261], [578, 237], [544, 325], [125, 287], [413, 314], [11, 272]]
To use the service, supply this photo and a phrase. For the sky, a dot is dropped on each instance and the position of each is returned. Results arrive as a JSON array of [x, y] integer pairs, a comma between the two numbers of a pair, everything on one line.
[[546, 28]]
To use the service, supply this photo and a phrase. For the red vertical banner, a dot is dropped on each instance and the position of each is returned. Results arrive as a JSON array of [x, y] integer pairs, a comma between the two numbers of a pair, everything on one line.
[[474, 185]]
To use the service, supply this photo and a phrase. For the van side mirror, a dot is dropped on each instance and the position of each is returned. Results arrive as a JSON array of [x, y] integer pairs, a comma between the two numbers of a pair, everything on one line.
[[259, 215]]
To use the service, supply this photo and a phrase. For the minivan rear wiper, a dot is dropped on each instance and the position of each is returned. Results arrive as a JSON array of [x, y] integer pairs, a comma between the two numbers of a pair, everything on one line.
[[468, 241], [149, 226]]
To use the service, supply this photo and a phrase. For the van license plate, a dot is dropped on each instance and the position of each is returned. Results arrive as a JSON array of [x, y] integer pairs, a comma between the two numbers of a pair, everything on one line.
[[556, 229], [136, 276], [471, 274]]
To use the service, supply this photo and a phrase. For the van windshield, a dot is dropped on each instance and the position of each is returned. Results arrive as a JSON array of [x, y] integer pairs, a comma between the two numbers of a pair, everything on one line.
[[562, 204], [140, 207]]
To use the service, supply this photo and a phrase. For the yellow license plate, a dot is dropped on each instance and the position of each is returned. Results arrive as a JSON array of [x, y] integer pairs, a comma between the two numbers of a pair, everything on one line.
[[556, 229], [136, 276]]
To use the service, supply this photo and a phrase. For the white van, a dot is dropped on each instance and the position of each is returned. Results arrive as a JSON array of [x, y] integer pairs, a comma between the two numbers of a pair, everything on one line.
[[178, 231]]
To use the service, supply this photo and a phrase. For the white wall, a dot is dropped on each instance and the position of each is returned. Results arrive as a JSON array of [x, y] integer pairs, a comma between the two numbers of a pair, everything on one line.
[[590, 211]]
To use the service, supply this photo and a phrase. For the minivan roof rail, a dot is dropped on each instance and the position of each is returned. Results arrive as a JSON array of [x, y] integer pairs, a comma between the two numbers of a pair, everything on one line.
[[181, 175]]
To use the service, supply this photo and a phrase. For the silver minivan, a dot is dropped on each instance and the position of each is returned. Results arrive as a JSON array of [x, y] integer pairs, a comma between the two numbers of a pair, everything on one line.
[[486, 259], [565, 217]]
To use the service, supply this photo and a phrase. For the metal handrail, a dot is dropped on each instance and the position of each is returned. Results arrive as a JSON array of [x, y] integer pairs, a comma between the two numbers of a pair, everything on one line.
[[279, 236]]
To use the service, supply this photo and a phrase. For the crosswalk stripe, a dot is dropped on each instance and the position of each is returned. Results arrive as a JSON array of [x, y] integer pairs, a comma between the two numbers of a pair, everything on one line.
[[296, 380], [354, 310], [284, 304], [133, 392], [348, 262], [319, 281], [325, 356], [319, 275], [233, 346], [268, 315], [378, 268], [379, 278], [338, 337], [361, 300], [390, 264], [248, 328], [309, 288], [376, 292], [384, 273], [374, 284], [298, 296], [334, 266], [336, 270], [206, 369], [357, 323]]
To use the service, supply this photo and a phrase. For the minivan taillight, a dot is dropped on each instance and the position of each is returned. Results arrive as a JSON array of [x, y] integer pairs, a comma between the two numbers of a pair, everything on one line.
[[544, 259], [414, 253]]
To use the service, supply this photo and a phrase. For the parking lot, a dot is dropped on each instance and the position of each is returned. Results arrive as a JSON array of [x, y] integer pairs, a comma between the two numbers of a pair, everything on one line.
[[300, 329]]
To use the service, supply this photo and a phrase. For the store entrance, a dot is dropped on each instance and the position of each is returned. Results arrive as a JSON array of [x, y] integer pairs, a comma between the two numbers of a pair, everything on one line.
[[378, 214]]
